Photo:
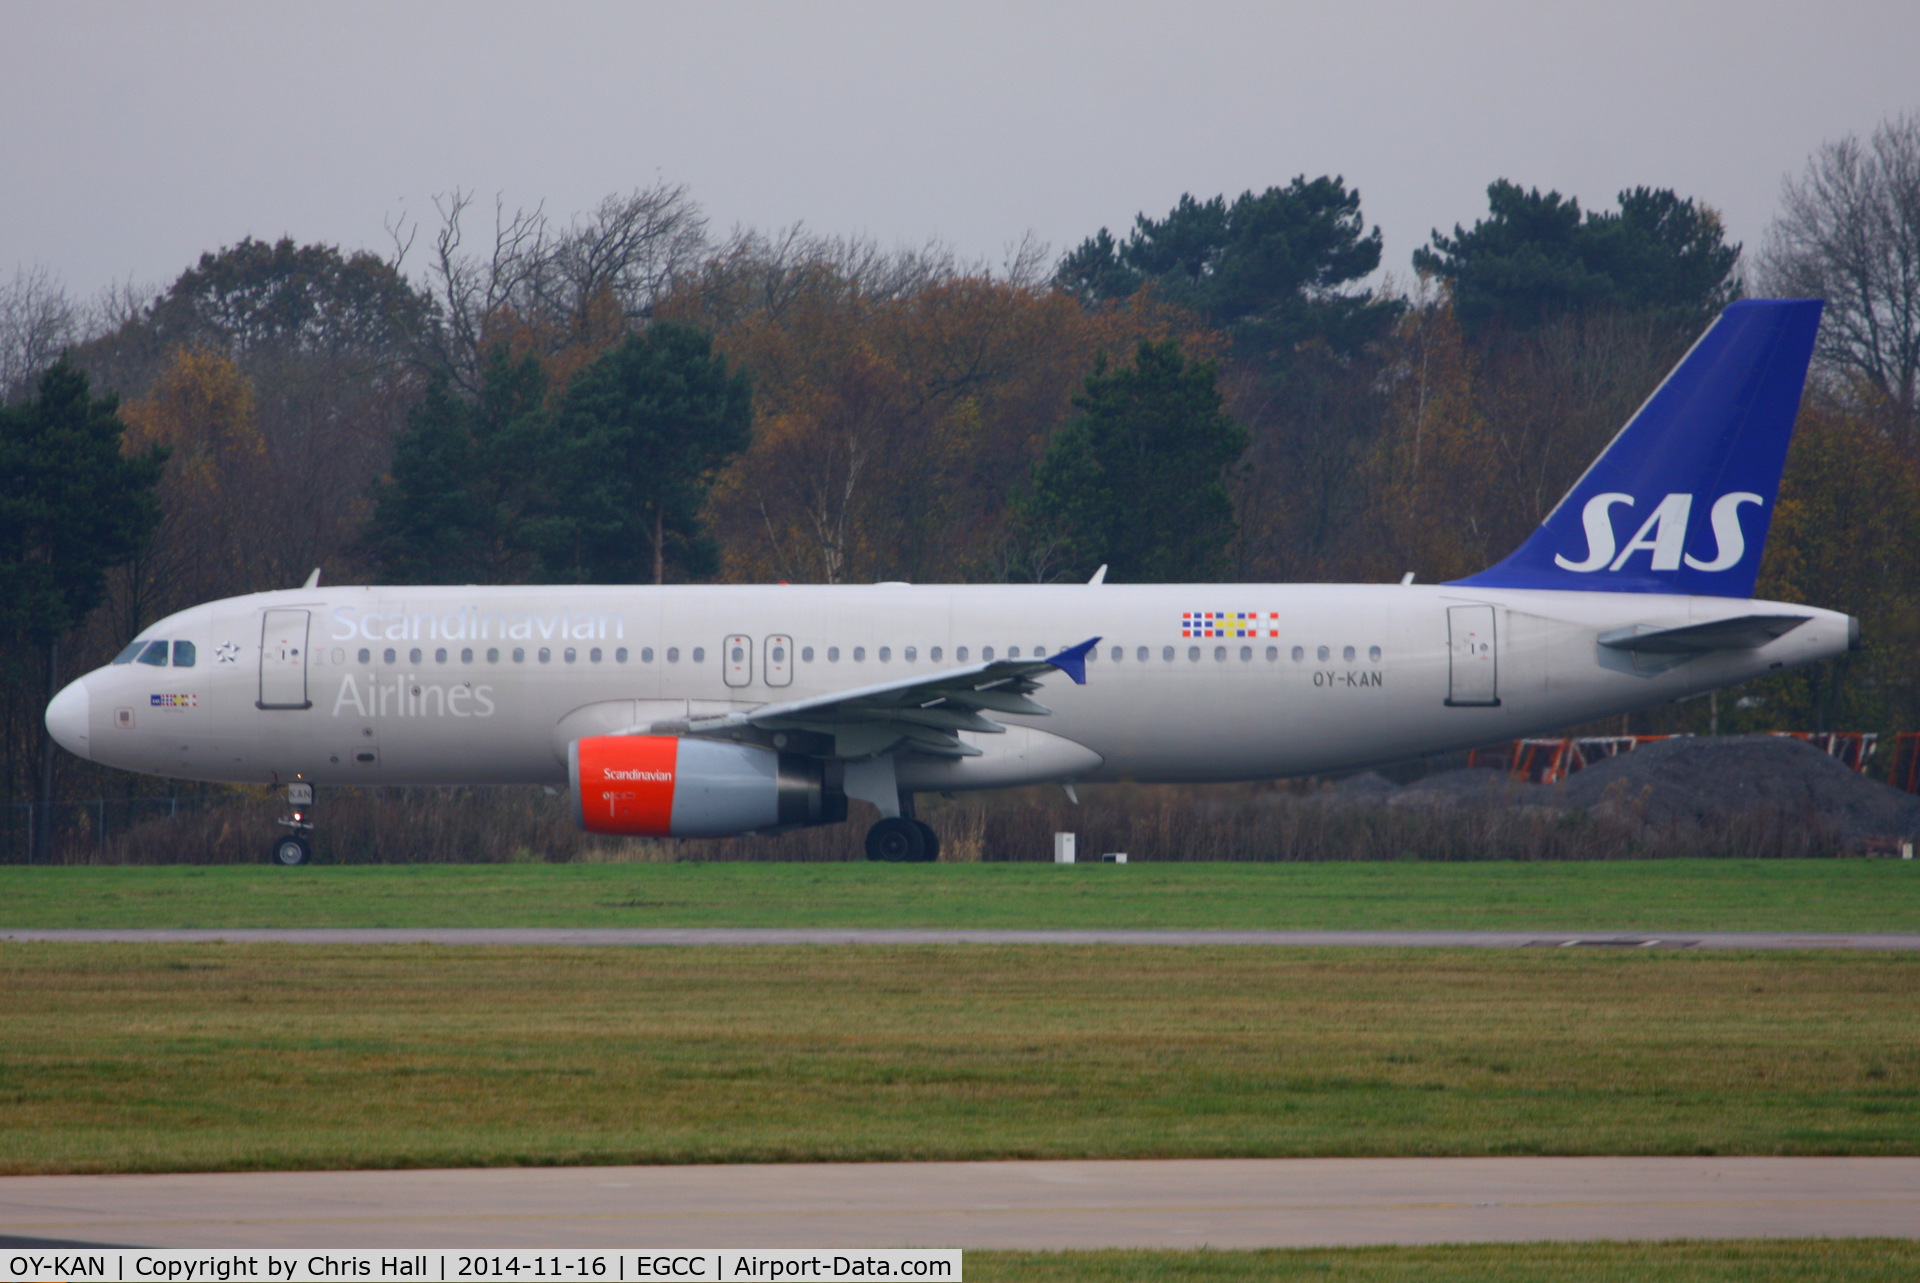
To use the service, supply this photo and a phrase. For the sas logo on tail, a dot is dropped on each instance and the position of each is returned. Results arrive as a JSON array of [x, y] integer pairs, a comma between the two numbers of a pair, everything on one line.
[[1663, 534]]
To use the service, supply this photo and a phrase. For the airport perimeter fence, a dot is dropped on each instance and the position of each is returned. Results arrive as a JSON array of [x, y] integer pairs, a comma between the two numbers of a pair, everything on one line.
[[86, 825], [1149, 823]]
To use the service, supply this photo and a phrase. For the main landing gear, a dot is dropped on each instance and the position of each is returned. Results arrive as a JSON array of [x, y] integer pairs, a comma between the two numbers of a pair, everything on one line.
[[296, 846], [903, 839]]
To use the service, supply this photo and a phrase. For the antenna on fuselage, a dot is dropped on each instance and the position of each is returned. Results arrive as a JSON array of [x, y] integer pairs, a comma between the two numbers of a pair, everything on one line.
[[313, 580], [1100, 575]]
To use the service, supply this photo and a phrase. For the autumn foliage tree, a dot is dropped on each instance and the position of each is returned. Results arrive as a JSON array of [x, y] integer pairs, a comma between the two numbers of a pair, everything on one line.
[[900, 402], [201, 411]]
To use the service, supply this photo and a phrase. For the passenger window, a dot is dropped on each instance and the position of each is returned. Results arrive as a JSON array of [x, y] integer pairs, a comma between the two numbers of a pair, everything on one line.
[[1119, 653], [673, 654], [933, 655], [1373, 653], [493, 654], [183, 655], [413, 656], [646, 655], [961, 654], [1166, 654], [1193, 654], [570, 654], [1273, 653], [126, 656], [699, 654], [1141, 654], [466, 654], [1323, 654], [546, 654], [593, 656], [440, 655], [1347, 654], [366, 656], [910, 654], [1039, 652], [519, 654], [739, 653], [1219, 654], [806, 654], [1299, 653], [986, 653], [886, 653], [620, 655], [1246, 652], [155, 654], [1013, 652], [391, 655], [859, 653], [833, 654]]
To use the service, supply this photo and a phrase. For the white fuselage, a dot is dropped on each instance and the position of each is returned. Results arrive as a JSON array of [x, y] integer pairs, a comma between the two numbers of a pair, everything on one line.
[[488, 685]]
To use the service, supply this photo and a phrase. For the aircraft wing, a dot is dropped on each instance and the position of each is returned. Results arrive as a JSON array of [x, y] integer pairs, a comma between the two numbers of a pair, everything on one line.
[[1743, 632], [921, 713]]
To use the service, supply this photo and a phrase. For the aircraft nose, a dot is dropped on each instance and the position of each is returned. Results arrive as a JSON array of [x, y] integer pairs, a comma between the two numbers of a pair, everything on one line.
[[67, 719]]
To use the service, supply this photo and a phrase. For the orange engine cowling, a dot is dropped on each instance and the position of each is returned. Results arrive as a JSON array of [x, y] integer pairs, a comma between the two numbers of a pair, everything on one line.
[[663, 786]]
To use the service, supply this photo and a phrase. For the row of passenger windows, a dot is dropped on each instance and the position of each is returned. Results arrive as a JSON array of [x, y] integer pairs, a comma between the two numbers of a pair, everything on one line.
[[518, 655], [1323, 653], [595, 655], [156, 654]]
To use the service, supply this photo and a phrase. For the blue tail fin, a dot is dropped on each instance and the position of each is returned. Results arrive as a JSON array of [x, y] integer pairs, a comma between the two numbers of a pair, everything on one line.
[[1681, 500]]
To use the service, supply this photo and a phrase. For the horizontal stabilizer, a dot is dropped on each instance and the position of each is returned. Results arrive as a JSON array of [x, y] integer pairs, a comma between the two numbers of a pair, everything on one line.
[[1743, 632]]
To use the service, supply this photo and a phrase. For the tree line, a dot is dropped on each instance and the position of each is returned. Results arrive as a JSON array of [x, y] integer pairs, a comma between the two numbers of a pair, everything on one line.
[[1231, 390]]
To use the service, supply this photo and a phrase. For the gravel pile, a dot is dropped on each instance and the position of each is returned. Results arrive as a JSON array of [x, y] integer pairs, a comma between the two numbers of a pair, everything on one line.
[[1674, 787], [1706, 782]]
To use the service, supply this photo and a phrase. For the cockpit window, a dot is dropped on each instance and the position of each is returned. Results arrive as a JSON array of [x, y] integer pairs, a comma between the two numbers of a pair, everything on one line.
[[183, 655], [155, 654], [126, 656]]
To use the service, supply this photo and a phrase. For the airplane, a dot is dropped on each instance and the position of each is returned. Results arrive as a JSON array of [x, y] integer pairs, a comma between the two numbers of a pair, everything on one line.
[[703, 711]]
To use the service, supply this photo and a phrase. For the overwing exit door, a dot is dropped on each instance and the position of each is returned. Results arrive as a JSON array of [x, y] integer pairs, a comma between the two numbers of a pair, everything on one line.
[[779, 666], [283, 660], [1473, 664], [736, 658]]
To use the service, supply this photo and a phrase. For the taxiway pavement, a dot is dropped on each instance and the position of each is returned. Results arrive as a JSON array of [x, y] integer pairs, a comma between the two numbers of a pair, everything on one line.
[[668, 936], [1220, 1203]]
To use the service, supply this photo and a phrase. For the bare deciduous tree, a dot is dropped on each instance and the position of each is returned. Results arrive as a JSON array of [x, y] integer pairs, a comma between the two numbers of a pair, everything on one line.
[[549, 277], [37, 323], [1849, 232]]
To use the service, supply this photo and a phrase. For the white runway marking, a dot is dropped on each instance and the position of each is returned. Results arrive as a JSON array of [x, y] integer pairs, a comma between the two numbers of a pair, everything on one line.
[[1174, 1203]]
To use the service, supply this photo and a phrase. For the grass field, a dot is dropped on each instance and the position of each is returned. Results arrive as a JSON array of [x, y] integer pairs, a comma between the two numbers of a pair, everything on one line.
[[1734, 1261], [170, 1058], [1651, 895]]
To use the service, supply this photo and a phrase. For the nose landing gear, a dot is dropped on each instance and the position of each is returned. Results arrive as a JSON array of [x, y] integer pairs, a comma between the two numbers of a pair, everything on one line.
[[295, 847]]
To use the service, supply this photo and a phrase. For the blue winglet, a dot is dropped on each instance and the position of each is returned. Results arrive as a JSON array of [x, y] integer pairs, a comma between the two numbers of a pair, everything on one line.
[[1073, 660]]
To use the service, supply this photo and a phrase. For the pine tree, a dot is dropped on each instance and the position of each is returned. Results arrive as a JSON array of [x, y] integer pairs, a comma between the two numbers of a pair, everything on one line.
[[1137, 479]]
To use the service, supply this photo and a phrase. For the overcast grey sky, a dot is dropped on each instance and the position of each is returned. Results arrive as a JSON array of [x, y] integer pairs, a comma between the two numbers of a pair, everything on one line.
[[138, 136]]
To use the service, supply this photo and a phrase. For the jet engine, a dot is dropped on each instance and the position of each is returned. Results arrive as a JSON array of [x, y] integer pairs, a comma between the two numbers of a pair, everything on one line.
[[666, 786]]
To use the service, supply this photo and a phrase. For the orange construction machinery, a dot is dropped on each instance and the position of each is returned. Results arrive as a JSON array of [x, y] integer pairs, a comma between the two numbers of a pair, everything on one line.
[[1906, 762], [1550, 760]]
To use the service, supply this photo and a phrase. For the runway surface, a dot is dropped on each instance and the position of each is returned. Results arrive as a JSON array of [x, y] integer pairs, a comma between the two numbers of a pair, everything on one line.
[[1035, 1205], [660, 936]]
